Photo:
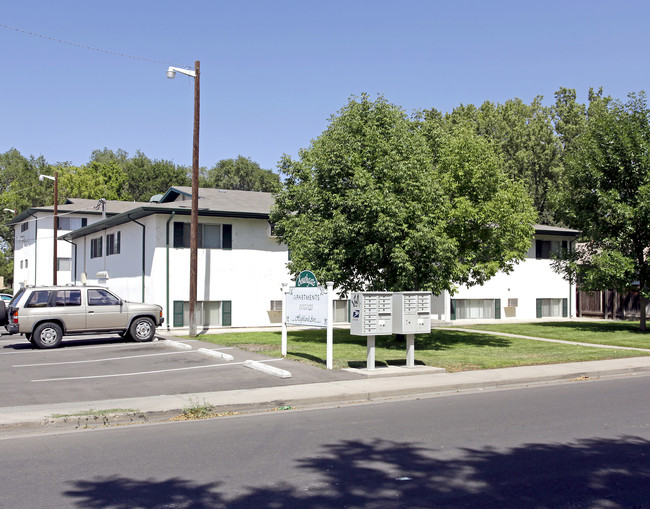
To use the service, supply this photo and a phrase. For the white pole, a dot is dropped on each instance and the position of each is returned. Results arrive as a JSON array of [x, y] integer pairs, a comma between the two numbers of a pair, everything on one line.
[[330, 324], [284, 319], [370, 356], [410, 350]]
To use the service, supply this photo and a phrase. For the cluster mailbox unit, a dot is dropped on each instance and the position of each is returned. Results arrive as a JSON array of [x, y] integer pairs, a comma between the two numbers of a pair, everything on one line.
[[372, 314], [386, 313]]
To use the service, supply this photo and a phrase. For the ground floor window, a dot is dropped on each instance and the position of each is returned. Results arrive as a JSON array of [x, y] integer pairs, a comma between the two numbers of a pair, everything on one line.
[[552, 308], [63, 264], [341, 311], [475, 309], [208, 313]]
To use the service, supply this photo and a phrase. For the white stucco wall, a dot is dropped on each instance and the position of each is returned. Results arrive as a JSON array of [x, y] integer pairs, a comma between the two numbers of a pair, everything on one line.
[[35, 249], [249, 275], [531, 279]]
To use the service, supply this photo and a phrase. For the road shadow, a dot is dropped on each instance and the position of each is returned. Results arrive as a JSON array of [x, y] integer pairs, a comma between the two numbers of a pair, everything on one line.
[[599, 472]]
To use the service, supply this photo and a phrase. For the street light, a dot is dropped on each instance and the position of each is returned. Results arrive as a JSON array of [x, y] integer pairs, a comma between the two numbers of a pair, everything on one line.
[[9, 210], [194, 225], [56, 219]]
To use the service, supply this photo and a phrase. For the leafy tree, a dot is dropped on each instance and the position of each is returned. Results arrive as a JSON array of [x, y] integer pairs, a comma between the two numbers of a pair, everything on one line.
[[19, 189], [94, 180], [368, 207], [522, 134], [146, 178], [241, 174], [607, 196]]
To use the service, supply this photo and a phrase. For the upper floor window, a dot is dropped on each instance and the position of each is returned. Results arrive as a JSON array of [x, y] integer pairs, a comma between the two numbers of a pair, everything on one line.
[[211, 236], [71, 223], [96, 247], [545, 248], [24, 226], [113, 243]]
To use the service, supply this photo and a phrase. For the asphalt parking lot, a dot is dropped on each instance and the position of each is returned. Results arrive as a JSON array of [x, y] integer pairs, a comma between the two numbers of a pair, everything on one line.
[[99, 367]]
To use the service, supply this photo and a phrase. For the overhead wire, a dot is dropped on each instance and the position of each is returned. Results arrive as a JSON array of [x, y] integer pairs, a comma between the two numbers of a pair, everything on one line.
[[100, 50]]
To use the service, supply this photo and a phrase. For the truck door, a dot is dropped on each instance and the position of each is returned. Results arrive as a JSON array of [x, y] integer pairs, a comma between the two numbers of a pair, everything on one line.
[[104, 311]]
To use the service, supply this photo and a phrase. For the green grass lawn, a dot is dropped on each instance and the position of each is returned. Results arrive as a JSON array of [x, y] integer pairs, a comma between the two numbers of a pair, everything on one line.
[[452, 349], [598, 333]]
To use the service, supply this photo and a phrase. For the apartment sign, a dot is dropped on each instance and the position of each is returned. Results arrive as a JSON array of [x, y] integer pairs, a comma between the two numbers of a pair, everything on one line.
[[306, 306]]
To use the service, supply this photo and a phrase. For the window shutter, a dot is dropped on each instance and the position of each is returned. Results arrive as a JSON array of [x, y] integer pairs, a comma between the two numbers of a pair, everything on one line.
[[178, 313], [452, 309], [227, 236], [178, 234], [497, 309], [539, 308], [226, 313], [565, 308]]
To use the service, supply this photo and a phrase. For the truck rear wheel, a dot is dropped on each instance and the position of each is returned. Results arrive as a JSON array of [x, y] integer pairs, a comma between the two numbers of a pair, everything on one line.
[[47, 335]]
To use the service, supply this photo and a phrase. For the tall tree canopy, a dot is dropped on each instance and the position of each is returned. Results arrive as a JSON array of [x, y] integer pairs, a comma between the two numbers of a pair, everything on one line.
[[524, 137], [370, 206], [240, 174], [607, 195]]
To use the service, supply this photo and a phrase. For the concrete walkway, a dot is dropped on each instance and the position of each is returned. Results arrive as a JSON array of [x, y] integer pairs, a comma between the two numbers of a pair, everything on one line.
[[379, 384]]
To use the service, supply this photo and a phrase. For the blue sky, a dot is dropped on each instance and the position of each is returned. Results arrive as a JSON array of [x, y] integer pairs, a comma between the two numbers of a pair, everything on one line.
[[273, 72]]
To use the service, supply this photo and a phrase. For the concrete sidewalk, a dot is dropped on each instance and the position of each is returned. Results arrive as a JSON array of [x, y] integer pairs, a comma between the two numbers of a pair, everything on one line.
[[378, 384]]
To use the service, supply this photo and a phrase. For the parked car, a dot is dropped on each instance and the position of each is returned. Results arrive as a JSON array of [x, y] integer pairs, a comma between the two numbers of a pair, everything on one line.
[[6, 297], [44, 314]]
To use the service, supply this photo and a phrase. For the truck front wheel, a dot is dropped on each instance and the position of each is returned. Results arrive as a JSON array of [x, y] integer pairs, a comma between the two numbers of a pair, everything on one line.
[[142, 329]]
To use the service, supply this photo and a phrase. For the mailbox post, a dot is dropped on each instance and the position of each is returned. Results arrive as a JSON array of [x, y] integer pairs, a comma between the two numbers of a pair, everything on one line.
[[371, 316], [411, 315]]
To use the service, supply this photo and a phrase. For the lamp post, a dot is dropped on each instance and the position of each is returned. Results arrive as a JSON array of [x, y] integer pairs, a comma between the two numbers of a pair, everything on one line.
[[55, 219], [194, 225]]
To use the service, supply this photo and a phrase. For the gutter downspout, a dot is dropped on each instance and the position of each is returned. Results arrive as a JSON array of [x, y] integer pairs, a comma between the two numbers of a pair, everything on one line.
[[167, 263], [143, 251], [570, 285]]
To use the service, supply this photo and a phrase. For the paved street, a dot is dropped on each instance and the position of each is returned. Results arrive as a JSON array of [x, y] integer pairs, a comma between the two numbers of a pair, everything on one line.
[[89, 368], [578, 444]]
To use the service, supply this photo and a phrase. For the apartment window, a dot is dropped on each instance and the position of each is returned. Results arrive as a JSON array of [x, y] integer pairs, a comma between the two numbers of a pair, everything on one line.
[[24, 226], [475, 309], [208, 313], [211, 236], [113, 243], [341, 314], [26, 263], [276, 305], [21, 264], [552, 308], [64, 264], [70, 223], [96, 247], [545, 248]]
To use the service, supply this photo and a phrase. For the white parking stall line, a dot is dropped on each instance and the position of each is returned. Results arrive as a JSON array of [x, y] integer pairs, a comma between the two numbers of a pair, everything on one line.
[[69, 348], [115, 375], [106, 359]]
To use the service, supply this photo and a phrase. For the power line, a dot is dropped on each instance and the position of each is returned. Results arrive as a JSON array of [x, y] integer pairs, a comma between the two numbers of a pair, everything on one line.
[[82, 46]]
